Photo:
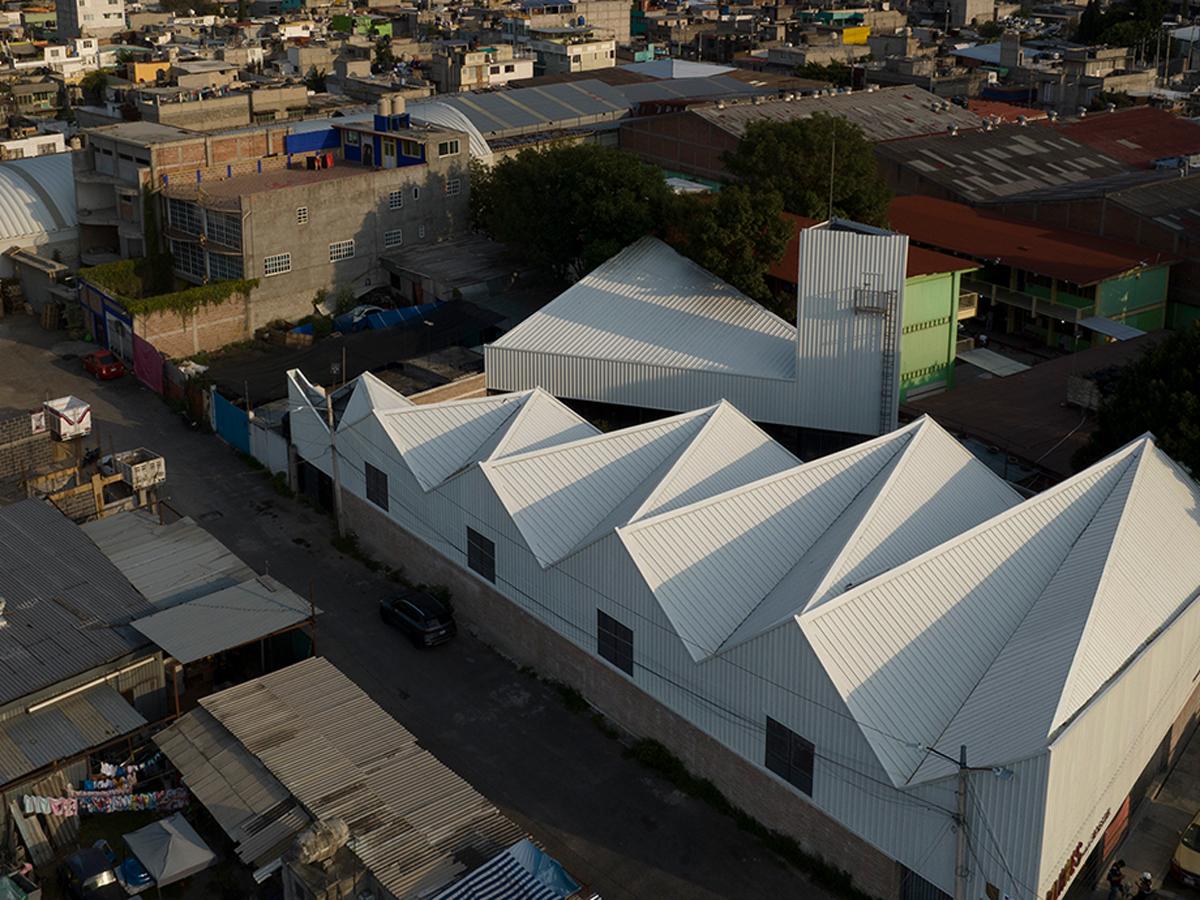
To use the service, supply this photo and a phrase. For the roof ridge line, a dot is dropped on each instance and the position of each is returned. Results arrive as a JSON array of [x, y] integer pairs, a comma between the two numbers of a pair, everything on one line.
[[905, 454], [587, 540], [792, 567], [683, 457], [1037, 599], [983, 527], [596, 438], [1118, 533], [767, 479]]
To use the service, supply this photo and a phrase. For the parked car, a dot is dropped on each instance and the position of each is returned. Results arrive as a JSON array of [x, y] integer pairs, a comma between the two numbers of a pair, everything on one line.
[[421, 616], [103, 365], [88, 875], [1185, 862]]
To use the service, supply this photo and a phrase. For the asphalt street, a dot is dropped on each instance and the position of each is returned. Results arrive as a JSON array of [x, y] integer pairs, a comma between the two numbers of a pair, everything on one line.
[[624, 831]]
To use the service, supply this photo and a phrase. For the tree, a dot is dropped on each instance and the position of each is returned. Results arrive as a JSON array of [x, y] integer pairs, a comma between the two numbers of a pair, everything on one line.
[[836, 73], [570, 207], [798, 159], [737, 235], [92, 87], [315, 80], [1091, 23], [990, 30], [1159, 393], [385, 60]]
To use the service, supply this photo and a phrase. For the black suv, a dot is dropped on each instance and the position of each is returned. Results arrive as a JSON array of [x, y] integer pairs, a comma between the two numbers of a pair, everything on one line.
[[421, 616]]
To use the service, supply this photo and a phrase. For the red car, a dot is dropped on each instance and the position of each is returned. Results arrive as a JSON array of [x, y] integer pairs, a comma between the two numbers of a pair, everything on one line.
[[103, 365]]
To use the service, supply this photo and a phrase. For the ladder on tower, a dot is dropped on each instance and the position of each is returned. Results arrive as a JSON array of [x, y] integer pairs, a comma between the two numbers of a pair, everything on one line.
[[872, 299]]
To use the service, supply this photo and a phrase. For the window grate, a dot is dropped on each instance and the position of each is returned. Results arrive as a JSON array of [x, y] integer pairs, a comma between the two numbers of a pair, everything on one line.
[[614, 642], [481, 555], [277, 264], [301, 215], [393, 238], [340, 250], [396, 200]]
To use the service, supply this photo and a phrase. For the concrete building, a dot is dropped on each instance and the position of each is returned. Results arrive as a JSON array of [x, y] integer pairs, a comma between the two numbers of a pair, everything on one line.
[[1066, 289], [934, 303], [37, 196], [695, 140], [568, 49], [458, 67], [89, 18], [776, 624], [613, 17], [651, 329], [36, 145]]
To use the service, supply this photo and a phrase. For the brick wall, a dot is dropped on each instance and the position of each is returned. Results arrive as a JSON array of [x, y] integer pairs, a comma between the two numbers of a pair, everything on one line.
[[78, 506], [20, 449], [208, 328], [527, 641]]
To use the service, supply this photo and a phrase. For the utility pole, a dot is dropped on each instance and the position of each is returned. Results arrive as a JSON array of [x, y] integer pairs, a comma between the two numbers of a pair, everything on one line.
[[337, 481]]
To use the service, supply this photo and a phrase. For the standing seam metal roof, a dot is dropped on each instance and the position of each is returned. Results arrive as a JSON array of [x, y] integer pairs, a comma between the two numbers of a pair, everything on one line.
[[37, 198], [649, 304], [413, 822]]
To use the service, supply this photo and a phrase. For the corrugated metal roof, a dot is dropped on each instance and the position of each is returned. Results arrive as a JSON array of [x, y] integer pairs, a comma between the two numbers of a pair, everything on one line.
[[676, 68], [67, 606], [37, 198], [1044, 603], [434, 112], [71, 726], [440, 439], [226, 619], [168, 564], [903, 111], [651, 305], [992, 362], [1111, 328], [413, 822], [498, 114], [730, 568], [370, 394], [258, 813]]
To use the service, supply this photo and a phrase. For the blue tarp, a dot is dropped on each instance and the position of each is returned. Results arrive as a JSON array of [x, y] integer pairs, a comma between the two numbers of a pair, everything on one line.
[[390, 318], [303, 329]]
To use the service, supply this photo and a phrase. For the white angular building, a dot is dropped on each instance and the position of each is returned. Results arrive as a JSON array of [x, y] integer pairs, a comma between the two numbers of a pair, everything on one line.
[[816, 638]]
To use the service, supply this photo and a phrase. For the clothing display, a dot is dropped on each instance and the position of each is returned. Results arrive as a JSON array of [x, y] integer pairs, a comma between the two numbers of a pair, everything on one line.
[[94, 802]]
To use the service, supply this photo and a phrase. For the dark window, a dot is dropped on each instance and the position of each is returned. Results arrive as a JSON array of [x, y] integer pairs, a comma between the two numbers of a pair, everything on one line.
[[377, 488], [790, 756], [481, 555], [614, 642], [914, 887]]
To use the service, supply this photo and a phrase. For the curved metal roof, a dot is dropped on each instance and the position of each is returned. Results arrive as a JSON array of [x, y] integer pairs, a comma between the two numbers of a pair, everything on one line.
[[435, 112], [37, 197]]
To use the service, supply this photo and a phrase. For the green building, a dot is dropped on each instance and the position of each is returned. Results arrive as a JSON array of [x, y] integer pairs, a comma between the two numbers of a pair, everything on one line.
[[1061, 288], [934, 303]]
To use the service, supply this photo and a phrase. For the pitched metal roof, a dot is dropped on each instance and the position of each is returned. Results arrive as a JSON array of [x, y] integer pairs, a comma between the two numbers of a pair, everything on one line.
[[498, 114], [1081, 259], [903, 111], [367, 395], [438, 440], [414, 823], [651, 305], [29, 741], [734, 566], [168, 564], [1139, 136], [226, 619], [252, 807], [566, 497], [68, 607], [1045, 602]]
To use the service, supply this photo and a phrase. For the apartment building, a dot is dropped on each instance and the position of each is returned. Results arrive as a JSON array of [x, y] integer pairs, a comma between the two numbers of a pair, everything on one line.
[[572, 49], [459, 67], [613, 17], [90, 18]]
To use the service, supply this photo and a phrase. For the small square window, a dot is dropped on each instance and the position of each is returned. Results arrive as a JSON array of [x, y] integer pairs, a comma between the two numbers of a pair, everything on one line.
[[352, 138], [395, 199], [448, 148], [277, 264], [340, 250], [393, 238], [377, 486], [481, 555], [301, 215], [614, 642], [790, 756], [453, 187]]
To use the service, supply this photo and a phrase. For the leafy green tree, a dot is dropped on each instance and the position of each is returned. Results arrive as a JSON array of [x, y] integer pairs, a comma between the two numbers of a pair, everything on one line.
[[570, 207], [1160, 393], [836, 73], [315, 79], [1091, 23], [737, 235], [92, 87], [990, 30], [385, 59], [799, 159]]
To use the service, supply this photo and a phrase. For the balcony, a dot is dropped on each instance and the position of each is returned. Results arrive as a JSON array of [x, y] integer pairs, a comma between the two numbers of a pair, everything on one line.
[[968, 305], [1038, 306], [104, 216]]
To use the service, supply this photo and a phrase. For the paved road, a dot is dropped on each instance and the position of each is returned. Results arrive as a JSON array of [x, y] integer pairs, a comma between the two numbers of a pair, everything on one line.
[[624, 831]]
